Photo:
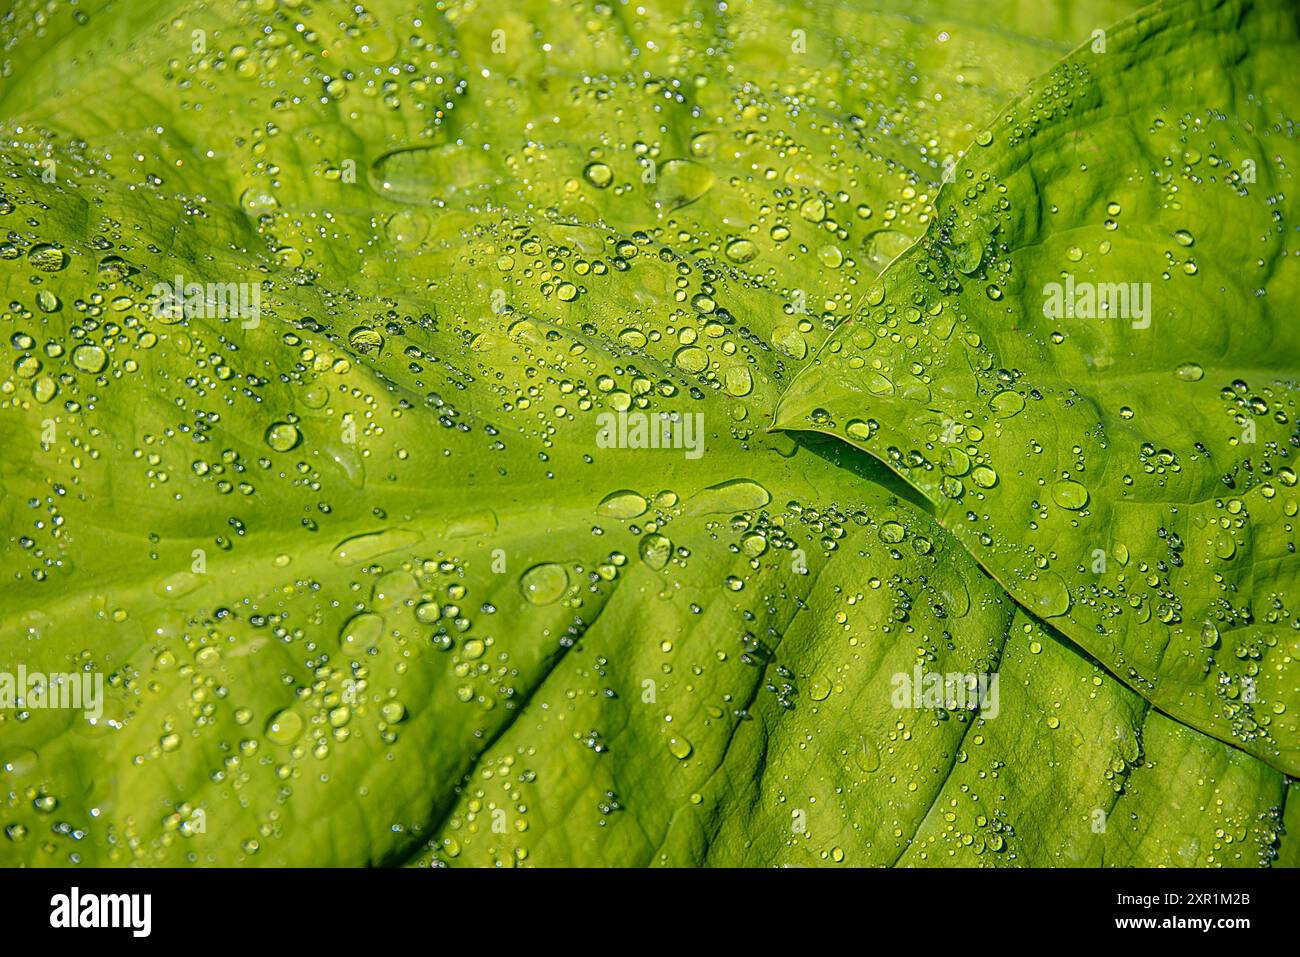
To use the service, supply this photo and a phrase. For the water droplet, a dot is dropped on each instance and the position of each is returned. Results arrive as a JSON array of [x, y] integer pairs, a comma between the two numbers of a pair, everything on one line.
[[420, 174], [284, 727], [681, 182], [544, 584], [820, 688], [892, 532], [283, 436], [623, 504], [1051, 598], [955, 461], [1069, 495], [47, 257], [741, 251], [598, 175], [691, 359], [703, 144], [408, 228], [19, 761], [789, 340], [89, 358], [361, 633], [655, 550], [363, 548], [884, 246], [858, 429], [113, 268], [867, 755], [813, 209], [1006, 404], [396, 589], [738, 381], [680, 747], [257, 200], [968, 254], [1190, 372], [737, 495], [365, 339]]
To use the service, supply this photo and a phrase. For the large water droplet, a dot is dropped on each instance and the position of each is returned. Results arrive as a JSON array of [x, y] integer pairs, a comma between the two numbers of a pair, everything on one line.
[[1069, 495], [1051, 598], [737, 495], [680, 747], [544, 584], [283, 436], [284, 727], [598, 175], [655, 550], [361, 633], [421, 174], [623, 504], [681, 182], [47, 257], [884, 246], [362, 548], [89, 358]]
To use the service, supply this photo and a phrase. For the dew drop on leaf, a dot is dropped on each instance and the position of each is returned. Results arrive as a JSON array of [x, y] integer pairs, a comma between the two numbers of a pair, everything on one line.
[[544, 584]]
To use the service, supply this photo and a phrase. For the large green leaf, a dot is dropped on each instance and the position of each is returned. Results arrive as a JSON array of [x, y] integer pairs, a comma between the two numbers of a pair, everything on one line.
[[429, 617], [1130, 476]]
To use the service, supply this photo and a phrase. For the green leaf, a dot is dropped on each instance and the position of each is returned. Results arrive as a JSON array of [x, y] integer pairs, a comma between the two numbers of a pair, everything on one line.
[[364, 581], [1130, 475]]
